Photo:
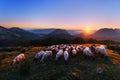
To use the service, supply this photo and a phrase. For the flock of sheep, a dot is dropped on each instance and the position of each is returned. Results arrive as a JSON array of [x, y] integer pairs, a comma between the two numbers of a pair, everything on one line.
[[66, 51]]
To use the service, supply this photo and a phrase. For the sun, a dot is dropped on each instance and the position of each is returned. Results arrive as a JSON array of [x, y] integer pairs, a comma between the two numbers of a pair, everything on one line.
[[87, 30]]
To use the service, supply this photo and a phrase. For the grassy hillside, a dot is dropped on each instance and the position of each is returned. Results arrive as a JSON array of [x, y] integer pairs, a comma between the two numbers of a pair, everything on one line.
[[78, 68]]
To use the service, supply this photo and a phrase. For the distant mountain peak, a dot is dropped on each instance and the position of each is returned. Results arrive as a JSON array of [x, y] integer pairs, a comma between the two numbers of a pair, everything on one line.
[[60, 33], [16, 29], [25, 34], [7, 34], [107, 33]]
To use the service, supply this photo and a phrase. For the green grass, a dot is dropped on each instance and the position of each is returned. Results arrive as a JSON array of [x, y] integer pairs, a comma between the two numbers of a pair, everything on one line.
[[78, 68]]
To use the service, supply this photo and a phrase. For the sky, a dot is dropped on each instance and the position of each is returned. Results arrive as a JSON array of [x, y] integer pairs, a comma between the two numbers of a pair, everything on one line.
[[66, 14]]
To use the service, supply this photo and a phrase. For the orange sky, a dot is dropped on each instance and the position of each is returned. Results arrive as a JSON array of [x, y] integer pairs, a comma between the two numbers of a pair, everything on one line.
[[65, 26]]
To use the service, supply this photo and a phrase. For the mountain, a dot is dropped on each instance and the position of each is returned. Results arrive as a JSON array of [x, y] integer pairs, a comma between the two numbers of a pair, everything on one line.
[[107, 33], [60, 33], [6, 34], [44, 32], [41, 32], [74, 32], [24, 34], [9, 38]]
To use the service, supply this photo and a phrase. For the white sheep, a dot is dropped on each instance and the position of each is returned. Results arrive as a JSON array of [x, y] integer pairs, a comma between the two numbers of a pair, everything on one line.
[[101, 50], [59, 54], [87, 51], [66, 56], [45, 55], [38, 56], [18, 58], [74, 52]]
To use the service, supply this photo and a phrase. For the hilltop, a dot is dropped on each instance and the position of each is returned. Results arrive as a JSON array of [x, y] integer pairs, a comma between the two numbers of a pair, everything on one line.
[[78, 67], [24, 34]]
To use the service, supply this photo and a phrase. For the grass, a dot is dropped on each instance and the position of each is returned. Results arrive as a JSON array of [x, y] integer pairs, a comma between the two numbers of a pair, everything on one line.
[[115, 47], [78, 68]]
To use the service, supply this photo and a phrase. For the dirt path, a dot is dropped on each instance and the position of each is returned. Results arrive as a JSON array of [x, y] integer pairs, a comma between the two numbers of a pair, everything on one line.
[[114, 57]]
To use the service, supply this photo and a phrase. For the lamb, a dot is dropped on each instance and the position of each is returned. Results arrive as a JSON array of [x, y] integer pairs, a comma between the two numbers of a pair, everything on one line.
[[45, 55], [18, 58], [66, 56]]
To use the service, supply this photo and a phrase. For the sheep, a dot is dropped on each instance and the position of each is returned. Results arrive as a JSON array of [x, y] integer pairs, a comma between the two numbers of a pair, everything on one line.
[[74, 52], [59, 54], [38, 56], [66, 56], [45, 55], [101, 50], [92, 47], [18, 58], [88, 52], [79, 49]]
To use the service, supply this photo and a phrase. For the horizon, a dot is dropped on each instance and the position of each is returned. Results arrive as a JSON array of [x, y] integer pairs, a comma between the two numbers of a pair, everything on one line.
[[86, 32], [54, 28], [70, 15]]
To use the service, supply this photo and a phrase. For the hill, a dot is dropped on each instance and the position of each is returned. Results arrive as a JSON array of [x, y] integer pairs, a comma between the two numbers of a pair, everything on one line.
[[8, 38], [44, 32], [107, 33], [78, 68], [41, 32], [6, 34], [24, 34], [60, 33]]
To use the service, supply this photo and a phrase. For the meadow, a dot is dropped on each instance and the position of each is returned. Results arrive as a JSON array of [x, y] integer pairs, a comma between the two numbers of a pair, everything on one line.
[[78, 67]]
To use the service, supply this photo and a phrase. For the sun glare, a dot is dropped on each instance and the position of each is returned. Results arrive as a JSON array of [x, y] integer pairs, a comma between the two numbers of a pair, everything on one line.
[[87, 31]]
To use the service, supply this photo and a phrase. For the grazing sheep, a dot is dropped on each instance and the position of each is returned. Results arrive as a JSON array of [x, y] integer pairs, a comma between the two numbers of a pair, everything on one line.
[[66, 56], [18, 58], [59, 54], [92, 47], [101, 50], [79, 49], [45, 55], [74, 52], [88, 52], [38, 56]]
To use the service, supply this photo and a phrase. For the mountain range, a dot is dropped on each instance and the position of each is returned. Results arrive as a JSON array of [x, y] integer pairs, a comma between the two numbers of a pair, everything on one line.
[[33, 34]]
